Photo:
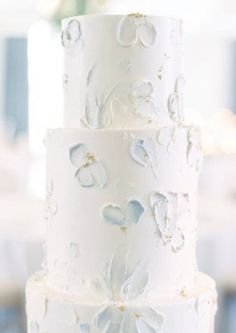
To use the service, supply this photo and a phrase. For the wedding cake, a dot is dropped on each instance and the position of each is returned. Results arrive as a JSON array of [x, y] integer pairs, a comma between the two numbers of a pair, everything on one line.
[[122, 179]]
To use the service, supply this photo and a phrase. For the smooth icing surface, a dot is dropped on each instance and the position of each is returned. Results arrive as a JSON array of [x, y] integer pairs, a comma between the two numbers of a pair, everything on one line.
[[123, 71], [49, 311], [121, 192]]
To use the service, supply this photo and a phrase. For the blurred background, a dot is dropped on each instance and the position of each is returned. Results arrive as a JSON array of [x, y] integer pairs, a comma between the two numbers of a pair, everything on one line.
[[31, 101]]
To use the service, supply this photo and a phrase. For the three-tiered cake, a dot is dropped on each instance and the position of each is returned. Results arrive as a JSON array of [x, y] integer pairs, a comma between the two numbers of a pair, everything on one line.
[[122, 178]]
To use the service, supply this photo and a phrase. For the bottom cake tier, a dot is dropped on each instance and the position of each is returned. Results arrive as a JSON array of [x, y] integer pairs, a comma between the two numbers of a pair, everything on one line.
[[52, 312]]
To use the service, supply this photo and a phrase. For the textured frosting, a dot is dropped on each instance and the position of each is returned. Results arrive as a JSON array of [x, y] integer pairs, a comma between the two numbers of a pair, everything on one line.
[[49, 311], [123, 71], [116, 193], [120, 254]]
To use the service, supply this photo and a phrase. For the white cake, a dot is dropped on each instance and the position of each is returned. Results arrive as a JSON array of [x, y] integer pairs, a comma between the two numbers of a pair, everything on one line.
[[122, 178]]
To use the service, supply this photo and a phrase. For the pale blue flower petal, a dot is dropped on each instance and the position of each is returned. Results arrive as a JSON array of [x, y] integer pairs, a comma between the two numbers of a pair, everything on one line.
[[84, 176], [154, 320], [133, 212], [128, 324], [99, 174], [77, 154], [147, 34], [104, 317], [137, 282], [85, 328], [143, 151], [113, 215], [91, 74], [113, 328], [118, 273]]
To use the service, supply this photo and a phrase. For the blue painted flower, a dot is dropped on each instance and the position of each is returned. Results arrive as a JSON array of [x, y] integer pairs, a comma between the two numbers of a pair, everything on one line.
[[142, 99], [121, 319], [90, 171], [123, 282], [143, 151], [115, 215]]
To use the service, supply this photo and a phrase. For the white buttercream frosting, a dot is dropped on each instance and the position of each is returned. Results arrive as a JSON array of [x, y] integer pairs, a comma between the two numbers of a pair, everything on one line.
[[50, 311], [123, 71], [120, 254]]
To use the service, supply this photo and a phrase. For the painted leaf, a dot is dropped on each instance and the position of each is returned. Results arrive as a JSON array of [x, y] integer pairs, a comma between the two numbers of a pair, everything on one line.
[[118, 273], [180, 84], [127, 34], [91, 74], [143, 151], [77, 154], [147, 34], [137, 282], [134, 211]]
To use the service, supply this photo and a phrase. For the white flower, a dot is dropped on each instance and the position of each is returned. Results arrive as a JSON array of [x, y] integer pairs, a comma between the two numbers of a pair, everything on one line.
[[90, 171], [71, 35], [167, 209], [142, 99], [136, 28]]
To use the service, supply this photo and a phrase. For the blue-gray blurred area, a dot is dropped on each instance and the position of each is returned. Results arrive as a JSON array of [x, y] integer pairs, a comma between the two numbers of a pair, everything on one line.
[[16, 85]]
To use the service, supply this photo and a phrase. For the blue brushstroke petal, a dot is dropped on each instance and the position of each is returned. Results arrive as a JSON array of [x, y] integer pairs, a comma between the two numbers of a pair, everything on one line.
[[99, 174], [77, 154], [113, 215], [84, 176], [133, 212]]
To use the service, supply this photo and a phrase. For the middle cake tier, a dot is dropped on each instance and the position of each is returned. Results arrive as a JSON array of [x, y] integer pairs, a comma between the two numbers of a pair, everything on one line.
[[122, 201]]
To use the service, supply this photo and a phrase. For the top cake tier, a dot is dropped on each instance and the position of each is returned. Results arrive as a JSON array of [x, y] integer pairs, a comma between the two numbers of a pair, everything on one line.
[[123, 71]]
